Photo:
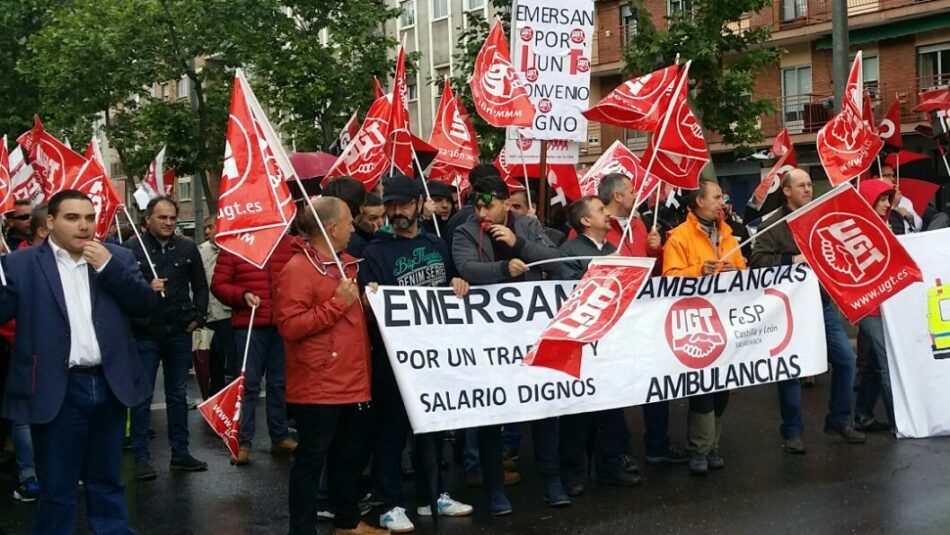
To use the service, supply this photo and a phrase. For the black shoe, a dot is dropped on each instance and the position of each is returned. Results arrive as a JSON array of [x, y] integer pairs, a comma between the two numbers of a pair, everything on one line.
[[715, 461], [629, 464], [794, 445], [152, 434], [144, 471], [674, 455], [872, 426], [574, 489], [620, 479], [698, 465], [187, 463], [849, 434]]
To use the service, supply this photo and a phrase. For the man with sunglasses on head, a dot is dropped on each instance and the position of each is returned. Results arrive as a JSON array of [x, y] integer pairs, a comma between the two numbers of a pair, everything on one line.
[[19, 224], [495, 246]]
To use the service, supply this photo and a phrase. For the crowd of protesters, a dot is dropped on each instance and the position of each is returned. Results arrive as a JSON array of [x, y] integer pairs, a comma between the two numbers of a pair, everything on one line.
[[332, 400]]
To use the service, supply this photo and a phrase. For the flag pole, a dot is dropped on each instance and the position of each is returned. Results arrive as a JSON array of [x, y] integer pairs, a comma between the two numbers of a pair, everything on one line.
[[524, 171], [118, 228], [656, 208], [425, 187], [3, 273], [323, 229], [458, 190], [247, 341], [138, 236]]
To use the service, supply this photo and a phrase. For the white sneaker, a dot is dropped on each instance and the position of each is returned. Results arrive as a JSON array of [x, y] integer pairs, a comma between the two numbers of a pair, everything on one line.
[[447, 507], [325, 515], [396, 521]]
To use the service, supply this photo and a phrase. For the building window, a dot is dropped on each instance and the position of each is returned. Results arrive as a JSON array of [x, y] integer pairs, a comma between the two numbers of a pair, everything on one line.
[[440, 9], [184, 189], [871, 76], [408, 18], [796, 92], [475, 4], [182, 89], [794, 9], [412, 91], [674, 6], [934, 66], [628, 23]]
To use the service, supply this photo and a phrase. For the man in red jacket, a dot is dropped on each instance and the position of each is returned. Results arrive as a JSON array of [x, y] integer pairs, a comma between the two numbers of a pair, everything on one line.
[[241, 285], [321, 318]]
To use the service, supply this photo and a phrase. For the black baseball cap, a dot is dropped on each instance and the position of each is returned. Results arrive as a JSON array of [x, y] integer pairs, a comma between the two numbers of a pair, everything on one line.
[[400, 188], [439, 189]]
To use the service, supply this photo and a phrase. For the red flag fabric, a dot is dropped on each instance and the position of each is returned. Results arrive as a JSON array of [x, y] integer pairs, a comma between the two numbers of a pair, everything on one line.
[[596, 304], [564, 185], [782, 145], [847, 145], [453, 133], [497, 89], [678, 146], [856, 257], [222, 411], [509, 171], [920, 192], [93, 181], [890, 127], [618, 159], [639, 103], [24, 180], [934, 100], [399, 141], [168, 181], [349, 131], [365, 158], [56, 164], [255, 206], [154, 178], [904, 157], [378, 92], [6, 186], [772, 181], [867, 113]]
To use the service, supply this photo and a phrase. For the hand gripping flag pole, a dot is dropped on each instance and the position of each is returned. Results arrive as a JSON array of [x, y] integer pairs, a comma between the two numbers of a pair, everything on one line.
[[138, 236]]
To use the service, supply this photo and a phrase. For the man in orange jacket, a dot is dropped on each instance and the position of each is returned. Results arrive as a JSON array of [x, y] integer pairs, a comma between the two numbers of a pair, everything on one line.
[[320, 317], [703, 245]]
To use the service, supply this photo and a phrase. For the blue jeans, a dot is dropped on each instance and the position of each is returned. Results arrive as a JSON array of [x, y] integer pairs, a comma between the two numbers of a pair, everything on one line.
[[875, 374], [174, 353], [265, 356], [23, 450], [83, 441], [842, 359]]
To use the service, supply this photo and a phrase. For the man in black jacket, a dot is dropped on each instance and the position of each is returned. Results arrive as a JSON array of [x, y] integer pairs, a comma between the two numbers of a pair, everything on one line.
[[777, 247], [165, 336], [590, 220]]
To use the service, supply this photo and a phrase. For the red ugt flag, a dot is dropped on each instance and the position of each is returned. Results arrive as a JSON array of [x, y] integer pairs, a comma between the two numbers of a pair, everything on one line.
[[639, 103], [596, 304], [6, 186], [56, 164], [856, 257], [222, 411], [890, 127], [618, 159], [365, 158], [783, 145], [93, 181], [497, 90], [847, 145], [453, 134], [771, 182], [255, 206], [399, 142]]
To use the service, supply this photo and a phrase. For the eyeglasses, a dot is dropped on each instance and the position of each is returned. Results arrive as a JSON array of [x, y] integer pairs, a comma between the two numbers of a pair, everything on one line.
[[21, 217]]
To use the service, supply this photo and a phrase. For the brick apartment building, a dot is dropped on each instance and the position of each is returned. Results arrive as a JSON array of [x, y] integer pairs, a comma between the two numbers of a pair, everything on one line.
[[906, 47]]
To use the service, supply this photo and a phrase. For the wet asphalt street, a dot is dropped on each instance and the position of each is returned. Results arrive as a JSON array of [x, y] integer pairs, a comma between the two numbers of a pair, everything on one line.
[[886, 486]]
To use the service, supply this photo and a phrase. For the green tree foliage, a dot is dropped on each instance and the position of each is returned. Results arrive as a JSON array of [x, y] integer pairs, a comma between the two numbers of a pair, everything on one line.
[[726, 61]]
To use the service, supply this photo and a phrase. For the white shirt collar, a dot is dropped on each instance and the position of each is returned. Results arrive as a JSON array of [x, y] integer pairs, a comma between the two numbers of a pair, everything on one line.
[[63, 254]]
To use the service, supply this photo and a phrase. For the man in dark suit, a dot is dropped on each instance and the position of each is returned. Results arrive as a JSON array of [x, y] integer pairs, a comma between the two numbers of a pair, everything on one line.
[[75, 369]]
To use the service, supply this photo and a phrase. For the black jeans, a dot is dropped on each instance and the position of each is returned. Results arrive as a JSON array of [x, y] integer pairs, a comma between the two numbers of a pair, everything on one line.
[[336, 436], [604, 432], [544, 438], [222, 354], [656, 428], [706, 403], [489, 456]]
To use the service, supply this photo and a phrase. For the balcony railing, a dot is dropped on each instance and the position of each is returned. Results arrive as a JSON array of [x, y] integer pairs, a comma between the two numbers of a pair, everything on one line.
[[790, 14]]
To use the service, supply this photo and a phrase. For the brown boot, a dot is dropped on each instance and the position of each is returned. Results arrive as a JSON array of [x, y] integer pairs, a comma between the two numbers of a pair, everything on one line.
[[243, 458], [512, 478], [361, 529], [288, 445]]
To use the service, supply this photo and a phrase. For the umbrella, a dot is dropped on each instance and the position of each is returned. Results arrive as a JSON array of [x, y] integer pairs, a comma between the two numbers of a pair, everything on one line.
[[904, 157], [311, 164], [920, 192]]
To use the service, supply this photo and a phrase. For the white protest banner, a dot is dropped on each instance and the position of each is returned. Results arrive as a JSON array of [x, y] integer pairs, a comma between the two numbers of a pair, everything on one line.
[[551, 47], [528, 151], [459, 362], [917, 334]]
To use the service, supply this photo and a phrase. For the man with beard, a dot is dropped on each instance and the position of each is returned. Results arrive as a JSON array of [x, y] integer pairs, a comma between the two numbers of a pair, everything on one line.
[[405, 255]]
